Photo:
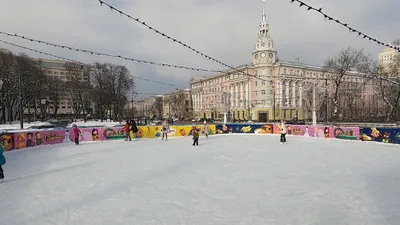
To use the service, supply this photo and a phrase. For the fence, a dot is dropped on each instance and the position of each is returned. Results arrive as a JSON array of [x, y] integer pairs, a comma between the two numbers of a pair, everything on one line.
[[385, 135], [20, 140]]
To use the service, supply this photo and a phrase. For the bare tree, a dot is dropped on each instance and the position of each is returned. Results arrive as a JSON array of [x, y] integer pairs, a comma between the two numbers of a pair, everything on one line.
[[177, 104], [387, 80], [396, 42], [77, 88], [111, 84], [348, 60]]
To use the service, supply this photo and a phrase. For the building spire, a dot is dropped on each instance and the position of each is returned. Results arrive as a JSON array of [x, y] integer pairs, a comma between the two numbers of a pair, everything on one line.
[[264, 17]]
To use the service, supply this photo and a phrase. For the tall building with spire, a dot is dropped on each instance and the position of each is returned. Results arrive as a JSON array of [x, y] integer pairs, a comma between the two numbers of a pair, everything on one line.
[[274, 90], [264, 52]]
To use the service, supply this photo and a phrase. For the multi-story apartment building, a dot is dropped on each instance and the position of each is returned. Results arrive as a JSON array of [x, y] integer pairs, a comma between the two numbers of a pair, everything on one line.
[[178, 104], [62, 70], [265, 90], [150, 107]]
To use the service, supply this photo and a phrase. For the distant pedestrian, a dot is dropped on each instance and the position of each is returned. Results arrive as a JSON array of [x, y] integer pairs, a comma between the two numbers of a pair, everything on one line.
[[165, 129], [77, 133], [2, 162], [206, 129], [196, 134], [134, 129], [283, 132]]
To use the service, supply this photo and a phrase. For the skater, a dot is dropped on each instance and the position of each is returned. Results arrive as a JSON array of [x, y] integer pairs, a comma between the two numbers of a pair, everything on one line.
[[206, 129], [77, 132], [134, 129], [165, 129], [283, 132], [196, 134], [2, 162], [127, 130]]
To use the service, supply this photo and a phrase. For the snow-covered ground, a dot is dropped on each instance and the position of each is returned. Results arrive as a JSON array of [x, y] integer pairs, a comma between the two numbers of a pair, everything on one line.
[[16, 125], [228, 179], [96, 124]]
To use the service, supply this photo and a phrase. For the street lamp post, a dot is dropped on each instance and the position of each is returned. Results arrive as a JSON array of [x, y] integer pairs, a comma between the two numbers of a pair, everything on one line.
[[21, 117]]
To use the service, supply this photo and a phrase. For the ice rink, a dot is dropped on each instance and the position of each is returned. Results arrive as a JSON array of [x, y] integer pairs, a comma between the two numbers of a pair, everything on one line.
[[228, 179]]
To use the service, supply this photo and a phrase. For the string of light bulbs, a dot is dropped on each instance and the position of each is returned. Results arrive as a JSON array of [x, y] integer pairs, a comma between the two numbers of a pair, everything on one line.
[[59, 57], [109, 55], [351, 29], [113, 8], [37, 51]]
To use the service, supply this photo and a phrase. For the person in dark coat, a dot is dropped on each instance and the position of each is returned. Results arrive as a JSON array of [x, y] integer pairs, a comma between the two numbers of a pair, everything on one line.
[[2, 162], [196, 133]]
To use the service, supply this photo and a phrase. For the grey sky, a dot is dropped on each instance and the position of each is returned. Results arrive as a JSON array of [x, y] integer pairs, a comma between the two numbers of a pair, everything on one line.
[[223, 29]]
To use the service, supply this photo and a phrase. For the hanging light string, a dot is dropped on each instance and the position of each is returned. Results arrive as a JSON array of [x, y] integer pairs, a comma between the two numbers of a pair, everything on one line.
[[113, 8], [59, 57], [109, 55], [37, 51], [351, 29]]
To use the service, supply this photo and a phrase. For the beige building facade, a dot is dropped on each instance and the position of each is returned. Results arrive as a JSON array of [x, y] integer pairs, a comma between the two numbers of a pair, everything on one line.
[[58, 69], [150, 107], [267, 89]]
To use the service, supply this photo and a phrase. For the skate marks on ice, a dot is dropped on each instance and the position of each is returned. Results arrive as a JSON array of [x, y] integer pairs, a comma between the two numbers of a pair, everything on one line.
[[46, 172], [383, 186]]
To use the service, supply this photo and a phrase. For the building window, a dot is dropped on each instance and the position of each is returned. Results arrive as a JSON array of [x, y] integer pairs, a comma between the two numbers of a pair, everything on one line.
[[263, 92], [263, 102], [263, 82], [256, 83]]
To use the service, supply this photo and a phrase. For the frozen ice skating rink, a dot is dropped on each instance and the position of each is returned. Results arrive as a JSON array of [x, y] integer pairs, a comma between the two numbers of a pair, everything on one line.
[[228, 179]]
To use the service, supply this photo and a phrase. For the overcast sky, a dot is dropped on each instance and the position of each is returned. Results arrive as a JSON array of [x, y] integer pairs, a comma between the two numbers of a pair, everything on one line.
[[223, 29]]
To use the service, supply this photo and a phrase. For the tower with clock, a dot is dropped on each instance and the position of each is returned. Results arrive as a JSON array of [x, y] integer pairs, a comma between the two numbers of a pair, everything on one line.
[[264, 52]]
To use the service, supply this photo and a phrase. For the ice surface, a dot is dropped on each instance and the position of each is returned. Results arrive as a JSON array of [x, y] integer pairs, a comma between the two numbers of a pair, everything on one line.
[[228, 179]]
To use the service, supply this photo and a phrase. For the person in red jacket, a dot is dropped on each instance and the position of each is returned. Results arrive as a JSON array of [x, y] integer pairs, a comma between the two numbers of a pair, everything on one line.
[[126, 130], [77, 132]]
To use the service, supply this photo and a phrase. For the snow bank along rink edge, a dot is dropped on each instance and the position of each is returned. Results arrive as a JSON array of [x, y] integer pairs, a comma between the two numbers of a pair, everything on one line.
[[228, 179]]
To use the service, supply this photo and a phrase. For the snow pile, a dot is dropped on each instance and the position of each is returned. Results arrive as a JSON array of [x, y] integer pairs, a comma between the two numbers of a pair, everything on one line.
[[94, 124], [16, 125]]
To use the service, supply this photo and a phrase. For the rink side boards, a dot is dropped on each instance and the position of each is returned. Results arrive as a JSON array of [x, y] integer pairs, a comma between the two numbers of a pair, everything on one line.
[[19, 140], [26, 139]]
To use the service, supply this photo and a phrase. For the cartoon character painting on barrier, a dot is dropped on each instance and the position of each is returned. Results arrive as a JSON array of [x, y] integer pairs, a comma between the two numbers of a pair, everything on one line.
[[264, 129], [352, 133], [244, 128], [7, 141], [32, 139], [383, 135]]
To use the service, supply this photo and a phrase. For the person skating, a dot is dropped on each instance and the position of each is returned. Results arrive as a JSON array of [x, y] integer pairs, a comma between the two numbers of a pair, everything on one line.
[[196, 134], [165, 129], [283, 132], [134, 129], [127, 130], [2, 162], [206, 129], [77, 132]]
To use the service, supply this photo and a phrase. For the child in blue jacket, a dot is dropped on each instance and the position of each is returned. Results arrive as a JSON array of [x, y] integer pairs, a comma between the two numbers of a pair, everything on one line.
[[2, 162]]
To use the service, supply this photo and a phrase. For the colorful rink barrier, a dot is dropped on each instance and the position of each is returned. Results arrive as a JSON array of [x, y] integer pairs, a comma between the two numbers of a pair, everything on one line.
[[349, 133], [19, 140], [383, 135]]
